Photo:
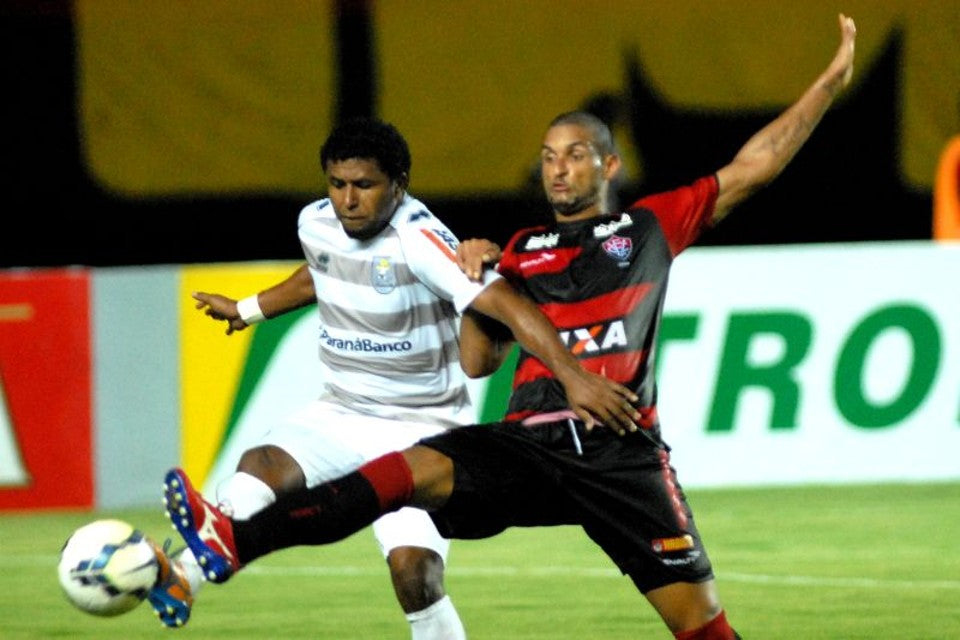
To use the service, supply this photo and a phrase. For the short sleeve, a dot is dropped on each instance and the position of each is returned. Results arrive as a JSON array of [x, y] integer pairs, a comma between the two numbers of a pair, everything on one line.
[[683, 213], [509, 265], [430, 252]]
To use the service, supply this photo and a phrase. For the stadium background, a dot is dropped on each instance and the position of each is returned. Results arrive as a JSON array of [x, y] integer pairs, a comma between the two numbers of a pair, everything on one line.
[[151, 149], [179, 132]]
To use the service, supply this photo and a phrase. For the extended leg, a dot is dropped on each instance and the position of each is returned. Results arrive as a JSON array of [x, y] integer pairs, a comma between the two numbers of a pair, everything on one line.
[[320, 515]]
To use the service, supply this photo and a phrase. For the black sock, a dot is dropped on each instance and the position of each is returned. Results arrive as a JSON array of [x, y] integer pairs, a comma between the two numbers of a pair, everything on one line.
[[326, 513]]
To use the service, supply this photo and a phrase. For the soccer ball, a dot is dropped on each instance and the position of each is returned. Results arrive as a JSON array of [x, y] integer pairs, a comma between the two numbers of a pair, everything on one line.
[[107, 567]]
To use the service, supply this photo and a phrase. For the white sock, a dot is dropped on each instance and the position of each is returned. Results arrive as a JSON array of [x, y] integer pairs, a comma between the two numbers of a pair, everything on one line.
[[188, 562], [242, 495], [439, 621]]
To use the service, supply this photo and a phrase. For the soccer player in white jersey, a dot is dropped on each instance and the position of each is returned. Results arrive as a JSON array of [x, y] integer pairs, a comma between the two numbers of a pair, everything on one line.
[[382, 270]]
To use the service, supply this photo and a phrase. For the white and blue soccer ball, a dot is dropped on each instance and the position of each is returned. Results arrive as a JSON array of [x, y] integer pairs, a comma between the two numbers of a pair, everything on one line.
[[107, 567]]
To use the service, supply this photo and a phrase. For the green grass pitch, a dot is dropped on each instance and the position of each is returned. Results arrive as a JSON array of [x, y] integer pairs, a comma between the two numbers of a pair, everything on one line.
[[815, 562]]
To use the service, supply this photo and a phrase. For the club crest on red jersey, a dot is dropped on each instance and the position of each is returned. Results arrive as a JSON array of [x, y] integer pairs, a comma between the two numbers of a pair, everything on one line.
[[618, 248]]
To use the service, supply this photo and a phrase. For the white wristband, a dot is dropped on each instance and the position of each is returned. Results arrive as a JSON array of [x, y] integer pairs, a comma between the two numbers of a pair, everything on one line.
[[249, 310]]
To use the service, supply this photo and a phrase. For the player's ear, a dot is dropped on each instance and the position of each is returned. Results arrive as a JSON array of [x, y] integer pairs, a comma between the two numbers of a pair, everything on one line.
[[400, 185], [611, 165]]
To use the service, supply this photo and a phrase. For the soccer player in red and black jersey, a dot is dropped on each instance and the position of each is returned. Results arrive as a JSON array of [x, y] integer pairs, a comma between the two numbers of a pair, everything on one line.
[[601, 278]]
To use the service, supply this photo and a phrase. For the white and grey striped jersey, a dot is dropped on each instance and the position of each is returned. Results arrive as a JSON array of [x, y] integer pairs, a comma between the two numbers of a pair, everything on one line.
[[389, 312]]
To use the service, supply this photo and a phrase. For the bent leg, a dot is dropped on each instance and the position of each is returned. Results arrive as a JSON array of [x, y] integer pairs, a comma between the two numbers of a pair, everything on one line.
[[416, 554], [417, 575]]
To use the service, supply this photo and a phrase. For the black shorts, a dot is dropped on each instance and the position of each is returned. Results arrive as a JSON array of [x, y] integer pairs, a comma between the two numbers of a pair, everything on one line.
[[621, 489]]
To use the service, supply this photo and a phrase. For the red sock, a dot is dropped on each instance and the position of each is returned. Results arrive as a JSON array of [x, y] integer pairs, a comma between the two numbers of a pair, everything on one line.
[[716, 629], [391, 479]]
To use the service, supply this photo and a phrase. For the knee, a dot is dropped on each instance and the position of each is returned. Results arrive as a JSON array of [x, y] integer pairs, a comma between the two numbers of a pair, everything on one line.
[[417, 576], [273, 466], [432, 474]]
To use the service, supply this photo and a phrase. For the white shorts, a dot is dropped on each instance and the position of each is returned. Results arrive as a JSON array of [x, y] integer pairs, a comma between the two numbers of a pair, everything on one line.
[[328, 442]]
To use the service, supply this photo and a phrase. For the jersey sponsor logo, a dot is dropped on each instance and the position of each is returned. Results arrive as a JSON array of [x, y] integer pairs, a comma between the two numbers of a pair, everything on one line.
[[688, 558], [618, 248], [534, 263], [542, 241], [443, 240], [383, 276], [418, 215], [595, 339], [538, 261], [364, 345], [609, 228]]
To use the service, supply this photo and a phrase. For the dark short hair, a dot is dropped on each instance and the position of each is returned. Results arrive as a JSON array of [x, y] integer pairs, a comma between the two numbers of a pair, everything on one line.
[[368, 138], [602, 137]]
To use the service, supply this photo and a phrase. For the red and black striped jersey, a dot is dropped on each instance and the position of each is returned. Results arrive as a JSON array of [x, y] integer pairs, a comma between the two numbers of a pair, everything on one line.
[[602, 282]]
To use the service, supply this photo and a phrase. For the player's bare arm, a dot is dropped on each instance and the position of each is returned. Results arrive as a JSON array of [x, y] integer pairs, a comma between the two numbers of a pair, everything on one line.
[[592, 397], [769, 151], [292, 293], [484, 344]]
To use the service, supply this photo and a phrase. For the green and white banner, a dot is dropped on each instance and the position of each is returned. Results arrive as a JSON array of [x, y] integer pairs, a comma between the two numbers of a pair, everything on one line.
[[813, 364]]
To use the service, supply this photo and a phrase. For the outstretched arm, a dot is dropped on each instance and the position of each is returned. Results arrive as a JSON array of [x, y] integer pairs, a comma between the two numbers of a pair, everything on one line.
[[293, 293], [766, 154]]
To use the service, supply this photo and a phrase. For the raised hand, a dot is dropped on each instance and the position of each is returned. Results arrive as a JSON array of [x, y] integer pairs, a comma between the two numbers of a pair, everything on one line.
[[220, 307], [842, 65]]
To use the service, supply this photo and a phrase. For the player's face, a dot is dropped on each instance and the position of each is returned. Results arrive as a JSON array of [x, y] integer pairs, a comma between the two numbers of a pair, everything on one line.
[[363, 196], [573, 172]]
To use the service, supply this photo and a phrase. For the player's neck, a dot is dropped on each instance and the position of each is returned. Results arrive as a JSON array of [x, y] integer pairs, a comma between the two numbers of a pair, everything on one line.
[[593, 211]]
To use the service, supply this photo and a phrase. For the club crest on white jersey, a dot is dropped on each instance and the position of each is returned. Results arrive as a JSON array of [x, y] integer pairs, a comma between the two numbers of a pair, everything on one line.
[[383, 277]]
